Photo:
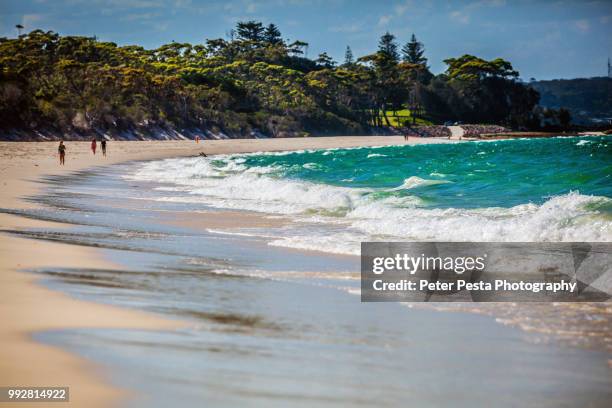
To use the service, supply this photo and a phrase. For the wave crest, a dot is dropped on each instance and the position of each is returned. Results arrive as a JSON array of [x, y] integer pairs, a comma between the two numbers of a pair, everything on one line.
[[414, 182], [372, 214]]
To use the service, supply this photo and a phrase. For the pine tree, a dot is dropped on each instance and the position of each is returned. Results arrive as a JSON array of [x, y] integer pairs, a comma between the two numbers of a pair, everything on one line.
[[348, 57], [325, 61], [413, 52], [250, 31], [272, 34], [388, 47]]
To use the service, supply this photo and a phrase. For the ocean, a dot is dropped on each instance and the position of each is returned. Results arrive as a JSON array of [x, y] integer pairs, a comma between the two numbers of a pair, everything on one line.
[[511, 190], [256, 252]]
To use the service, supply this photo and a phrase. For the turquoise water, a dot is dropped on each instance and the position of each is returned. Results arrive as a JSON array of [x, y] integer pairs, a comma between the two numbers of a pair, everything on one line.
[[557, 189], [469, 175]]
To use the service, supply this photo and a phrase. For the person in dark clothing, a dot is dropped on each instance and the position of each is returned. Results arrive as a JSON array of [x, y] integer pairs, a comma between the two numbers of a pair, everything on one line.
[[103, 146], [62, 153]]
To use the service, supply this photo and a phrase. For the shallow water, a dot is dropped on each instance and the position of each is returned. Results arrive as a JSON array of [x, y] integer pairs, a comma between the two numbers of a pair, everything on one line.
[[273, 325]]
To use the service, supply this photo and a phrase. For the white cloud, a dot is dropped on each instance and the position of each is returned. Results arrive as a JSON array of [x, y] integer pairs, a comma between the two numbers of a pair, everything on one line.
[[127, 4], [139, 16], [486, 3], [497, 3], [463, 15], [384, 20], [251, 7], [347, 28], [161, 26], [244, 6], [582, 25], [401, 9], [460, 16]]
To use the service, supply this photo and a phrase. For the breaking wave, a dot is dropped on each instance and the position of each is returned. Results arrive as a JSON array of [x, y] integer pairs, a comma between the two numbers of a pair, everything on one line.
[[347, 215]]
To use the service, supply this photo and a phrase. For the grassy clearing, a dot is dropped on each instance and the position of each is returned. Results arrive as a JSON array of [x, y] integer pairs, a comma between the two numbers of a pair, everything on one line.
[[402, 117]]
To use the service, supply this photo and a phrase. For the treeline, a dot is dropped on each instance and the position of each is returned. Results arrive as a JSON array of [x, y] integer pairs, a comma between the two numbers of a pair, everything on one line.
[[253, 82], [585, 98]]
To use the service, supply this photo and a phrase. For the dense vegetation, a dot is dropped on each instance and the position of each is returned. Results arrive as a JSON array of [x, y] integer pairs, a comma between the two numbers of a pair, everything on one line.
[[585, 98], [253, 83]]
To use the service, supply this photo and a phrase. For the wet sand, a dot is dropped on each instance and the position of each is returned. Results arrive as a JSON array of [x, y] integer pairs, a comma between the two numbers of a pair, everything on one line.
[[226, 220], [27, 308]]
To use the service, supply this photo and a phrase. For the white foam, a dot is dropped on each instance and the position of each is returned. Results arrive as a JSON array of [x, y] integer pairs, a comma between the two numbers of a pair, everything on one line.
[[562, 218], [234, 186], [311, 166], [343, 217], [414, 181], [338, 243]]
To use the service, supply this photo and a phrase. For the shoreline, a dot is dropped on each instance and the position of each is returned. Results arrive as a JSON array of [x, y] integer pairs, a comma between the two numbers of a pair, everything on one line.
[[29, 308]]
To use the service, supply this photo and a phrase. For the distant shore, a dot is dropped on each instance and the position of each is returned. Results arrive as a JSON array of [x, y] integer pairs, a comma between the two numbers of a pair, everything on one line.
[[28, 308]]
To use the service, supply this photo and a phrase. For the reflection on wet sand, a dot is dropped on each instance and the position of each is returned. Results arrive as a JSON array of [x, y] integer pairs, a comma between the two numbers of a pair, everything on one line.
[[587, 325]]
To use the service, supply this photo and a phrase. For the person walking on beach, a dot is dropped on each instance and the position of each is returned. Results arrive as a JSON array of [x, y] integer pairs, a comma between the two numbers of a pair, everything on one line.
[[103, 146], [93, 145], [62, 153], [197, 139]]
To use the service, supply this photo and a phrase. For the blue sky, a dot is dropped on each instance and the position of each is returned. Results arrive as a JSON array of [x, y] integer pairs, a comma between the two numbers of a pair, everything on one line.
[[544, 39]]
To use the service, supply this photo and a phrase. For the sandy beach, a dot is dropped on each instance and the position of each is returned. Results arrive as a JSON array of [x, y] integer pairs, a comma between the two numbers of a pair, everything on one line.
[[28, 308], [154, 274]]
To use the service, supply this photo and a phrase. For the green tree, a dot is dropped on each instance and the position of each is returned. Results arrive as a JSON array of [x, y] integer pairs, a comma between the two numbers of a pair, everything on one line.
[[348, 57], [298, 47], [413, 52], [487, 91], [469, 67], [390, 88], [252, 31], [81, 86], [325, 61], [272, 35], [387, 48]]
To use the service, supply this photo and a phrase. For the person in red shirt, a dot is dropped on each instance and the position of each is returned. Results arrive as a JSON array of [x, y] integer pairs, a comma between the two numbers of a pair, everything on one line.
[[93, 145]]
